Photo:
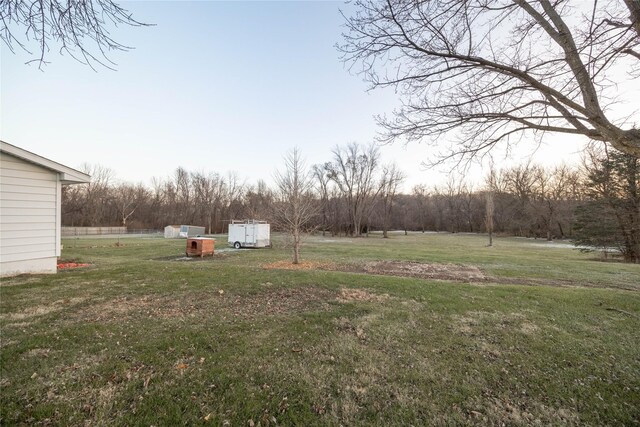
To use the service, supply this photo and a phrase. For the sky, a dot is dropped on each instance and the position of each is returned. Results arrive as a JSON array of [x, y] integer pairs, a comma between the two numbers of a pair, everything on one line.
[[214, 87]]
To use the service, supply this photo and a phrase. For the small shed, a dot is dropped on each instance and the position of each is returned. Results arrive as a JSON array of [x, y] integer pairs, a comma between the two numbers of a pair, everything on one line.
[[30, 210], [249, 233], [182, 231], [172, 232]]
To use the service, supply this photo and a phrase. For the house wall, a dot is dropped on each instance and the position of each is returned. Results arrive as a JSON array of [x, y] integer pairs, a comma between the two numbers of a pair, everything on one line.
[[29, 217]]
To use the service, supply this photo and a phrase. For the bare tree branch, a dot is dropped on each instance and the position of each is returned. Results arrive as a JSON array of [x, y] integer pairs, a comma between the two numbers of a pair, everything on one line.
[[80, 28], [481, 72]]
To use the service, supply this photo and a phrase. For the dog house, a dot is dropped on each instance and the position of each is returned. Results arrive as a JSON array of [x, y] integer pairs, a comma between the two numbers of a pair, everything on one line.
[[200, 246]]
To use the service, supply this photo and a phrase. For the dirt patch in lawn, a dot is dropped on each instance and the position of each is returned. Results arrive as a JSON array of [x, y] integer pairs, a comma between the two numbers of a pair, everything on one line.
[[446, 272], [303, 265], [455, 272]]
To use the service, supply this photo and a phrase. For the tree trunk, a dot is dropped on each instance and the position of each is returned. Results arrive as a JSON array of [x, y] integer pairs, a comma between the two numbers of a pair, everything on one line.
[[296, 247]]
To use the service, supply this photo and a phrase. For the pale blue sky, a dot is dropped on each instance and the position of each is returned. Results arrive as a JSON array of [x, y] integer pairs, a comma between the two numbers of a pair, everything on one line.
[[214, 86]]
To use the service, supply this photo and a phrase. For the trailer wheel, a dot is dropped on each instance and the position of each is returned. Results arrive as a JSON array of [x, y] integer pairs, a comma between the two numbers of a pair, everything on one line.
[[237, 245]]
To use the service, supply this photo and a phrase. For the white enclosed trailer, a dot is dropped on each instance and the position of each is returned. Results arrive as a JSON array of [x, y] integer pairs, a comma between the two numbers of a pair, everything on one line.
[[249, 233]]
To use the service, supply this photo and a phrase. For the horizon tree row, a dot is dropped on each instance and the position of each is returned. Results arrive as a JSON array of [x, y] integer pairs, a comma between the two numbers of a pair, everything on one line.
[[353, 194]]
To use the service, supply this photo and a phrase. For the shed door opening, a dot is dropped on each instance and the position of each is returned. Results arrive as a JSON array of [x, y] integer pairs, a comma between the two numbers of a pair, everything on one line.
[[194, 245]]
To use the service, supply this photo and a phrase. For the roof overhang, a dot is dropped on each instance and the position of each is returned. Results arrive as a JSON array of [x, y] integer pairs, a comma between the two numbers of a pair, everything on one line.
[[67, 175]]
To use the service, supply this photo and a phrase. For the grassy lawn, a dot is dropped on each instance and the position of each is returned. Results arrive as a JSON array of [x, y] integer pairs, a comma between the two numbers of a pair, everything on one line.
[[547, 336]]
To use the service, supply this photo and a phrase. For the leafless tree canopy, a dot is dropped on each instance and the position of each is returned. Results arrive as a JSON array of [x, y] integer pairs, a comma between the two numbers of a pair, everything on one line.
[[392, 178], [295, 205], [78, 27], [353, 171], [495, 71]]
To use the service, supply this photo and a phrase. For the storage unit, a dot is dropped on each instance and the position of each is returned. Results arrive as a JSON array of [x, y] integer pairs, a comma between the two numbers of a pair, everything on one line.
[[172, 232], [190, 231], [182, 231], [249, 233], [200, 246]]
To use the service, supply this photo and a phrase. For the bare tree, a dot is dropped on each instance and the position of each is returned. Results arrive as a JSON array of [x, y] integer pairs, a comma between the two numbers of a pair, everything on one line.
[[392, 178], [354, 171], [235, 191], [420, 194], [496, 71], [294, 207], [491, 182], [96, 193], [127, 199], [519, 182], [78, 27], [208, 190], [322, 185], [258, 200]]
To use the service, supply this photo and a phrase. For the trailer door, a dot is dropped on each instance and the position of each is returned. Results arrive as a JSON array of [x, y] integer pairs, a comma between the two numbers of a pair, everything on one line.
[[250, 234]]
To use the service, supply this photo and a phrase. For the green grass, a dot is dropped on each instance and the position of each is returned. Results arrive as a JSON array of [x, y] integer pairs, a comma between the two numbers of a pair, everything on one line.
[[552, 336]]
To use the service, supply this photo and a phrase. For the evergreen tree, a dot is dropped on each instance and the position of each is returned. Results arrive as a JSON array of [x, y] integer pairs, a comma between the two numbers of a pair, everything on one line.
[[613, 187]]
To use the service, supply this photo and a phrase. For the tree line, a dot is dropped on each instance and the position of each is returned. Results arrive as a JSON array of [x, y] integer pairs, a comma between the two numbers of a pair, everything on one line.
[[356, 193]]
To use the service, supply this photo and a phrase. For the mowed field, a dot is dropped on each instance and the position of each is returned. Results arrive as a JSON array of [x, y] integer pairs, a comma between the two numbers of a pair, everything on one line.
[[425, 329]]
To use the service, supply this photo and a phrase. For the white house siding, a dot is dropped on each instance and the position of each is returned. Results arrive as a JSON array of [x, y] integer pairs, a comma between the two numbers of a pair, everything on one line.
[[29, 210]]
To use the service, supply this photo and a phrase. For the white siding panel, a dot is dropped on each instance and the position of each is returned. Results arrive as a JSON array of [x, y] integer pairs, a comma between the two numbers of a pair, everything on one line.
[[26, 233], [25, 211], [17, 246], [11, 191], [21, 226], [14, 163], [26, 182], [27, 219], [7, 196], [28, 204], [12, 173], [28, 211]]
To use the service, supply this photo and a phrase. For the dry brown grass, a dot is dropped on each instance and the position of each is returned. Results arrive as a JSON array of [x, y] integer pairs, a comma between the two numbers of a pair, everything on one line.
[[350, 294], [41, 310], [267, 302]]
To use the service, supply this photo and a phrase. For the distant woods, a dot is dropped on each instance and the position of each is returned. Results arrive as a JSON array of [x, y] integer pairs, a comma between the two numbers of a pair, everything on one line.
[[356, 192]]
